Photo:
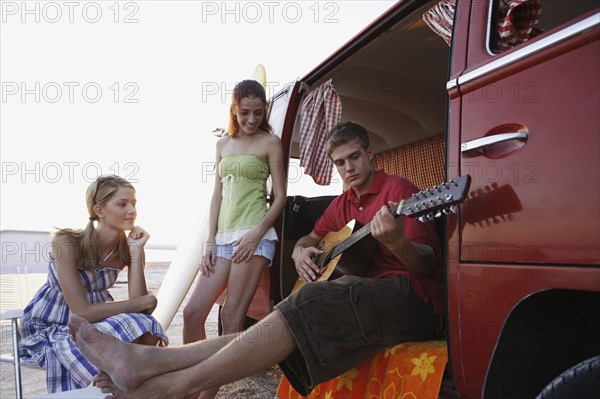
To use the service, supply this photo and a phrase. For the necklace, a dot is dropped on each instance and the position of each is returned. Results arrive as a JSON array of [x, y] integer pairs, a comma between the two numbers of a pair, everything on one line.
[[107, 256]]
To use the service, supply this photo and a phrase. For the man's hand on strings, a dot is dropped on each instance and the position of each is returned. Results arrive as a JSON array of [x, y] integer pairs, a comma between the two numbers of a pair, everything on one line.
[[305, 266], [386, 228]]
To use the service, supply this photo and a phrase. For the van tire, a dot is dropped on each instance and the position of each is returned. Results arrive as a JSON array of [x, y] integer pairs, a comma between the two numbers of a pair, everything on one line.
[[580, 381]]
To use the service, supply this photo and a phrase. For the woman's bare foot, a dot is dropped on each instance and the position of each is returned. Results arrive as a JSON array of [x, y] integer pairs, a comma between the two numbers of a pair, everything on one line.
[[106, 352]]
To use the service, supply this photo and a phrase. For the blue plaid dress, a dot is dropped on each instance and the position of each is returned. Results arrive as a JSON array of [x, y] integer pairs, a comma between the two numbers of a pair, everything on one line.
[[45, 335]]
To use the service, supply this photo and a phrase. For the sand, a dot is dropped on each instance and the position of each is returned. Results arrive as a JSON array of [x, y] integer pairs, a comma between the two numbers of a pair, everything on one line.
[[18, 288]]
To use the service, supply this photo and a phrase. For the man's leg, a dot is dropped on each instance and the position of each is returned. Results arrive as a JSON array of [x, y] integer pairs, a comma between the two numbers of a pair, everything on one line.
[[110, 353], [185, 370]]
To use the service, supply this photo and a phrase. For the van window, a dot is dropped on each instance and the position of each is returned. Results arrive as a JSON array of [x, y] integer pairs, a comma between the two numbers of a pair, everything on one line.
[[278, 108], [516, 21], [301, 184]]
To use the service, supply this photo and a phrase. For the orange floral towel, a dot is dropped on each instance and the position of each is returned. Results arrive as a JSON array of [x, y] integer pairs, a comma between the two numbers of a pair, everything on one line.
[[409, 370]]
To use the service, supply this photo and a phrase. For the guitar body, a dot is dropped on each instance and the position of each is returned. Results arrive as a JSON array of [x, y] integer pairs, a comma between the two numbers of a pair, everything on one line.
[[353, 261]]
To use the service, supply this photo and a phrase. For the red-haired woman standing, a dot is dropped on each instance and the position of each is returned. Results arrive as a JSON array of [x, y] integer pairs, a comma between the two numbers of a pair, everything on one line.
[[241, 238]]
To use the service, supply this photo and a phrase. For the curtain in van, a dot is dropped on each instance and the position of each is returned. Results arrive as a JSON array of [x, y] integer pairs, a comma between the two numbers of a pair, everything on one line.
[[423, 162], [321, 111], [517, 22], [440, 18]]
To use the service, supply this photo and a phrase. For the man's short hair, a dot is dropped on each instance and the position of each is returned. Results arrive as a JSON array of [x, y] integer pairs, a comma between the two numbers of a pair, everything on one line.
[[344, 133]]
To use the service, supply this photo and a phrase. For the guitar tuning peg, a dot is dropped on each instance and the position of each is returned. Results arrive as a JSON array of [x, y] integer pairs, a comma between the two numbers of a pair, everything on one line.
[[454, 209], [438, 214], [422, 219], [446, 211]]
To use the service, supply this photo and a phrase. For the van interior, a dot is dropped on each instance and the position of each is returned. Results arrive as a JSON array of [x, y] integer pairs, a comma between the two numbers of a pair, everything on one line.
[[391, 78], [395, 85]]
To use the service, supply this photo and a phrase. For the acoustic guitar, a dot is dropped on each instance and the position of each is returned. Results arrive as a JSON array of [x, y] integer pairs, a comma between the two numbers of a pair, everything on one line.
[[425, 205]]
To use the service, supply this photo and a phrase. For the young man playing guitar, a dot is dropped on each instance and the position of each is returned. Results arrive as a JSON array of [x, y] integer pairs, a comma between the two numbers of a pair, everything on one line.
[[325, 327], [398, 298]]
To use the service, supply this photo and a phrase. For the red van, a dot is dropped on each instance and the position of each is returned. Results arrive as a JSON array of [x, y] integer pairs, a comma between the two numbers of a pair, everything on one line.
[[507, 92]]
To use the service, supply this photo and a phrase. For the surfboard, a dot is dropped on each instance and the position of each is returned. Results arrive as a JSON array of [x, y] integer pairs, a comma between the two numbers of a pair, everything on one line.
[[260, 75], [181, 274]]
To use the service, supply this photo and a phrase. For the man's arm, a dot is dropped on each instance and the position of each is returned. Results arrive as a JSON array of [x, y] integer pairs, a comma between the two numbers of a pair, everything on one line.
[[418, 258], [304, 250]]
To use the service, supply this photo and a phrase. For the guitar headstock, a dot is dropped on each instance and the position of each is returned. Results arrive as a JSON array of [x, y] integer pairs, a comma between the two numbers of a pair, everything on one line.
[[433, 202]]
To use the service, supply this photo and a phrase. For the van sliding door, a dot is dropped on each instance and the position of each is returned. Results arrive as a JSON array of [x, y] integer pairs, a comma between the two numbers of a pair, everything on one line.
[[528, 134]]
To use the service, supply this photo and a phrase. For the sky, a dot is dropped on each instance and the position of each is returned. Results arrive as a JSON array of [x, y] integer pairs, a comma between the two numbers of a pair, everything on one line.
[[136, 88]]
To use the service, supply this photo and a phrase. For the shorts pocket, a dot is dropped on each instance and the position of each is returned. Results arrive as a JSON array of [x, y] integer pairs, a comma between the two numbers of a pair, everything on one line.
[[331, 323], [367, 311], [403, 286]]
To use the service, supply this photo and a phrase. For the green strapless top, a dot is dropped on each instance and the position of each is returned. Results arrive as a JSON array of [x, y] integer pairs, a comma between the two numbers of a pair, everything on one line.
[[243, 205]]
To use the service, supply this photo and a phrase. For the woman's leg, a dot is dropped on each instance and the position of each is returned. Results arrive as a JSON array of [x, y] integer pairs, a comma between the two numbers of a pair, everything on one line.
[[241, 287], [207, 290]]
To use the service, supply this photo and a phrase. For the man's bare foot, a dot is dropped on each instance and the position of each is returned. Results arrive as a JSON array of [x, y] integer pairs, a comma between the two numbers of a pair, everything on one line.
[[105, 383], [106, 352]]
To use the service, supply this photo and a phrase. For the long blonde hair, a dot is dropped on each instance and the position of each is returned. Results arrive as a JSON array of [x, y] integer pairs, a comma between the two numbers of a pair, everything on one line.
[[98, 193]]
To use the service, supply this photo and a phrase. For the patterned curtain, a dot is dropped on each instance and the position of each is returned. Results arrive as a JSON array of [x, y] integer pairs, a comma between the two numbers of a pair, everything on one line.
[[440, 18], [321, 111], [423, 162], [517, 21]]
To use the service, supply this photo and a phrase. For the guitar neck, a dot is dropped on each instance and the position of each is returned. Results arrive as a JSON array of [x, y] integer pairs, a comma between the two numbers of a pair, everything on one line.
[[426, 205], [353, 239]]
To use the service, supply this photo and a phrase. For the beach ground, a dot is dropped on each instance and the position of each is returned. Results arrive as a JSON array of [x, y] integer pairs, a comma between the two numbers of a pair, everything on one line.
[[16, 289]]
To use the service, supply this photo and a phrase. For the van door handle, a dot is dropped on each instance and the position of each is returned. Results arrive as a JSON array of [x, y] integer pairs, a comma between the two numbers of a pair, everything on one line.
[[477, 146]]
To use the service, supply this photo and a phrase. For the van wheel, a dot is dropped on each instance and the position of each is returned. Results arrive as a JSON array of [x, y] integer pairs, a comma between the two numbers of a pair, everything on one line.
[[580, 381]]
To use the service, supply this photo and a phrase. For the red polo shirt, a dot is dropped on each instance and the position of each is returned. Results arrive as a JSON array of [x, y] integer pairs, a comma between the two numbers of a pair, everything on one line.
[[386, 188]]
